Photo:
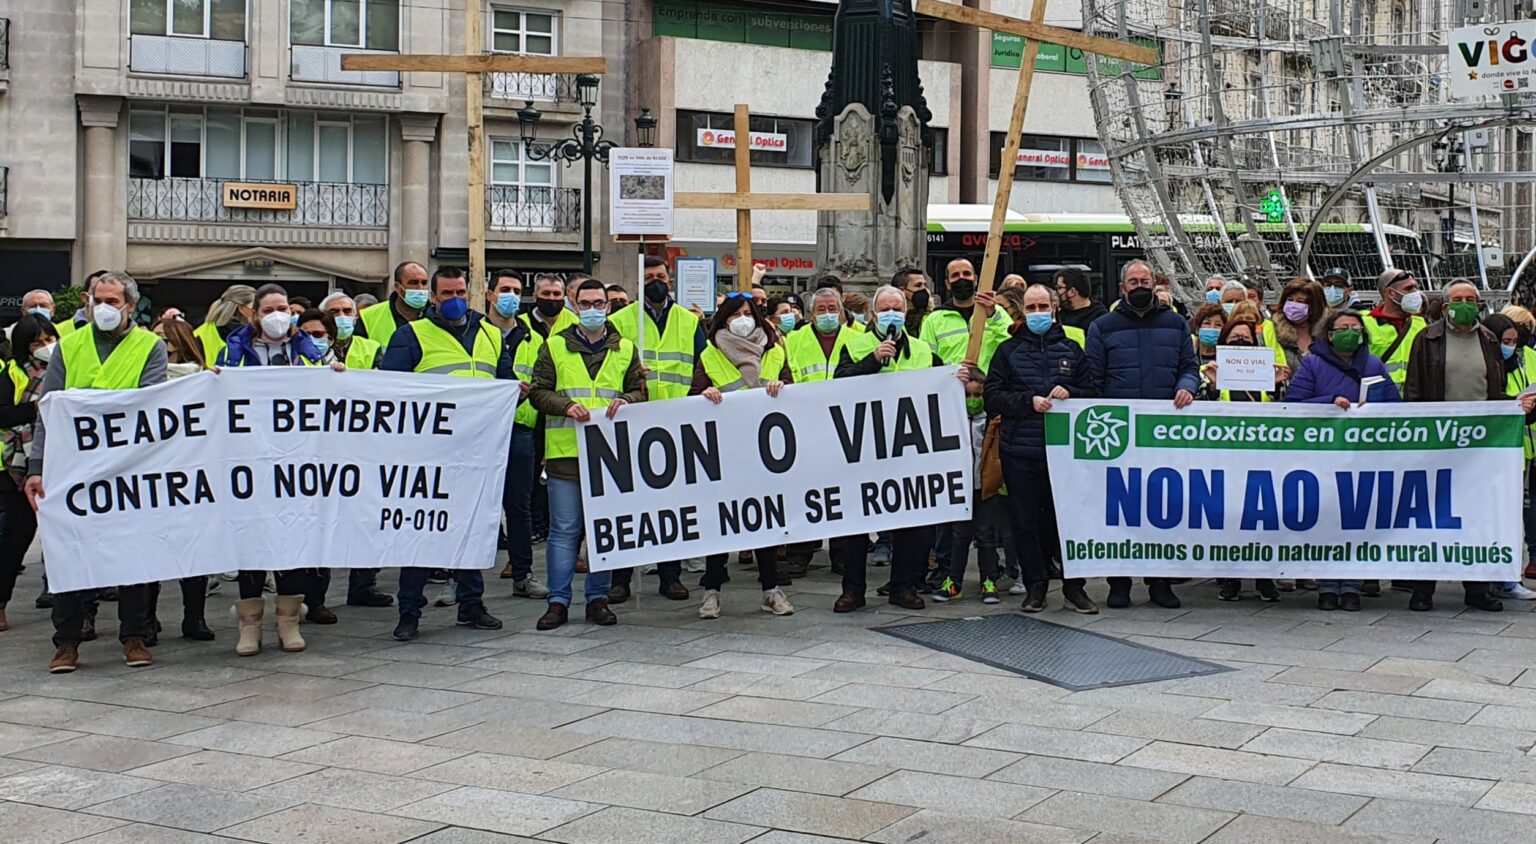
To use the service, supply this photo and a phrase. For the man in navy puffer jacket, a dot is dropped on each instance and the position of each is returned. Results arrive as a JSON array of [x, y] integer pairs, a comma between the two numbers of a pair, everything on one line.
[[1142, 350]]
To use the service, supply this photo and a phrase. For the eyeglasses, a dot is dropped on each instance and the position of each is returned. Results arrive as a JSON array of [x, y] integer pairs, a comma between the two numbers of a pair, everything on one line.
[[318, 335], [738, 295], [1404, 276]]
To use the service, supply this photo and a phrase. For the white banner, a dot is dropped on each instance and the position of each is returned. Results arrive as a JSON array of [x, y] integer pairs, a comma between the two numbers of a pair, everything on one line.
[[272, 469], [1487, 60], [1402, 491], [685, 478]]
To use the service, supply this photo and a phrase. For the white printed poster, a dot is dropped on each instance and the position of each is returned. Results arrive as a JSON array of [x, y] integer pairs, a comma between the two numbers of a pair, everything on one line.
[[640, 181]]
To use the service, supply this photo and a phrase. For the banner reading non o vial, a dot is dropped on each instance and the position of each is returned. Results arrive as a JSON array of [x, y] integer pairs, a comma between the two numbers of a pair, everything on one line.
[[272, 469], [686, 478], [1409, 491]]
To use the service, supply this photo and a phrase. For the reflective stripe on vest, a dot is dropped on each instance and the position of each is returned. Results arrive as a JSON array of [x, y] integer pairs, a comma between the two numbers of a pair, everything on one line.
[[123, 368], [361, 353], [667, 354], [919, 355], [443, 354], [803, 349], [573, 382], [727, 378]]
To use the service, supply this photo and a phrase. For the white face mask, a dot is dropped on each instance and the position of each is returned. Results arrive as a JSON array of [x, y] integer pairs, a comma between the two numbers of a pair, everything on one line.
[[741, 326], [276, 324], [106, 317], [1412, 303], [45, 354]]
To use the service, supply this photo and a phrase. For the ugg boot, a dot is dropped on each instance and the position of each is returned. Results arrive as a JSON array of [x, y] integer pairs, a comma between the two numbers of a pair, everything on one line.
[[288, 609], [248, 612]]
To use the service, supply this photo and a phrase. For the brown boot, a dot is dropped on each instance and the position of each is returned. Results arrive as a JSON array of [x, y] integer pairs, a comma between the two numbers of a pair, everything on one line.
[[598, 613], [136, 653], [848, 603], [4, 624], [554, 617], [320, 615], [65, 659], [287, 611]]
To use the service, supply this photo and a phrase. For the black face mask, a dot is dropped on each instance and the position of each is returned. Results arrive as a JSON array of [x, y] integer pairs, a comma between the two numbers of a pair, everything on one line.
[[1239, 342], [1140, 299], [549, 308], [962, 289], [656, 292], [920, 301]]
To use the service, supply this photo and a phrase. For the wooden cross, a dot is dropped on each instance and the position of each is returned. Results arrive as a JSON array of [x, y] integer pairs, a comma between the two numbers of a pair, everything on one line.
[[1034, 31], [743, 201], [472, 64]]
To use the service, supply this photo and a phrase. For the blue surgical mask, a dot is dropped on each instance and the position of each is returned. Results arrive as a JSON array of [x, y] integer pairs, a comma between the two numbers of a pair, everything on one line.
[[1334, 296], [1209, 336], [1229, 307], [345, 325], [415, 299], [828, 323], [453, 308], [593, 318], [1507, 351], [890, 322], [293, 320], [1038, 323], [507, 304], [787, 322], [322, 344], [861, 319], [41, 311], [1213, 296]]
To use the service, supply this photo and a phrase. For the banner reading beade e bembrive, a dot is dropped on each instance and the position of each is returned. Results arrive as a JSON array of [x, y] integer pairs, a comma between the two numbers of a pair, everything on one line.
[[686, 478], [272, 469], [1408, 491]]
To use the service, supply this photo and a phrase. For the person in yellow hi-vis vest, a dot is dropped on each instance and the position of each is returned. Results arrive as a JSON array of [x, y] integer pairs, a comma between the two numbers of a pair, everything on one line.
[[407, 300], [81, 316], [1393, 324], [669, 340], [349, 348], [585, 369], [886, 348], [230, 311], [504, 299], [745, 352], [450, 340], [110, 353]]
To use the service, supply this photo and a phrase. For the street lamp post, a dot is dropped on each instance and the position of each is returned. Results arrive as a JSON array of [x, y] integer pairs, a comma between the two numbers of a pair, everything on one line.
[[1448, 159], [586, 145]]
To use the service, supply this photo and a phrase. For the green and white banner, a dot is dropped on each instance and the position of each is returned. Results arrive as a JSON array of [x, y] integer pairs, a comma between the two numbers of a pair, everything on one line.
[[1408, 491]]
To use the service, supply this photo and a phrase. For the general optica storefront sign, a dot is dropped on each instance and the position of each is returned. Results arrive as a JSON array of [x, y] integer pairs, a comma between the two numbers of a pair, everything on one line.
[[726, 139]]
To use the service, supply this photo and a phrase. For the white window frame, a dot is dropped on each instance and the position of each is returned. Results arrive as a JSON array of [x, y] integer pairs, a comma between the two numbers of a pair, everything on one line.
[[279, 122], [522, 162], [522, 31], [347, 124]]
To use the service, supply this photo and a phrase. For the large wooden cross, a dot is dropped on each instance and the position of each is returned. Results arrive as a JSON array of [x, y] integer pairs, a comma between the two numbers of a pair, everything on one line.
[[472, 64], [743, 201], [1034, 31]]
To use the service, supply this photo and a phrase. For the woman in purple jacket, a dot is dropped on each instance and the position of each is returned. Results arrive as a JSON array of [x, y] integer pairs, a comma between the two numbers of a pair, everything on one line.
[[1332, 375]]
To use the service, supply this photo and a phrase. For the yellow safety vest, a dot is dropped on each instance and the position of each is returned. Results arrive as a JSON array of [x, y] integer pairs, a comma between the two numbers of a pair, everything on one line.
[[18, 378], [949, 334], [857, 327], [919, 355], [379, 322], [213, 342], [573, 382], [362, 353], [522, 364], [443, 354], [1517, 382], [1267, 335], [668, 354], [1384, 335], [1226, 395], [66, 328], [803, 347], [123, 368], [727, 378]]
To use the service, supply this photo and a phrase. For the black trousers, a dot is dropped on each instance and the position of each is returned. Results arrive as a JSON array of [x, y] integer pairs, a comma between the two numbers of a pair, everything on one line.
[[767, 569], [319, 584], [69, 611], [1033, 517], [1427, 587], [194, 597], [20, 528], [668, 572], [291, 582], [909, 559]]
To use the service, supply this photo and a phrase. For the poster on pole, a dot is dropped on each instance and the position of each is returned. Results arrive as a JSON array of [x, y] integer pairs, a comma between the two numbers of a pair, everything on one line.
[[1488, 60], [696, 283], [1245, 368], [1381, 491], [686, 478], [640, 182], [272, 468]]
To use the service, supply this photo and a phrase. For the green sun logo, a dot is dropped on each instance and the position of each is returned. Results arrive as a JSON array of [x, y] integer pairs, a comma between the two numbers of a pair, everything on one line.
[[1101, 433]]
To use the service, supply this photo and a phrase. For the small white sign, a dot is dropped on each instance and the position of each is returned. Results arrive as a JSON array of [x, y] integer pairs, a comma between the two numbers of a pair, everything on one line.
[[640, 191], [726, 139], [1487, 60], [1245, 368], [696, 283]]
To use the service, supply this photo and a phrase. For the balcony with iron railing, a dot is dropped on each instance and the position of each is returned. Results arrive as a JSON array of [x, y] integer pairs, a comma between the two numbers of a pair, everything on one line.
[[177, 55], [5, 54], [511, 90], [315, 63], [329, 204], [5, 189], [511, 210]]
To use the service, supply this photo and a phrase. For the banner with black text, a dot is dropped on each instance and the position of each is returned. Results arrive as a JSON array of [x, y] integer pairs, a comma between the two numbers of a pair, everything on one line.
[[272, 469], [684, 478]]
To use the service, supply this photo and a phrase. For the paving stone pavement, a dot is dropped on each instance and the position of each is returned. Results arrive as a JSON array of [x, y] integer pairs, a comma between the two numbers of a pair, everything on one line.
[[1383, 725]]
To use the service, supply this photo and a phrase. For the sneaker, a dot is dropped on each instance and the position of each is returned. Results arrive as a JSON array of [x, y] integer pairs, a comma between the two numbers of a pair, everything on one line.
[[988, 593], [480, 620], [1267, 591], [448, 597], [1161, 594], [136, 653], [1517, 593], [774, 601], [946, 591], [1005, 583], [1077, 598], [438, 576], [405, 631], [881, 556], [1018, 588], [711, 606], [529, 587], [65, 659], [1285, 585], [1231, 590], [1035, 599], [693, 565]]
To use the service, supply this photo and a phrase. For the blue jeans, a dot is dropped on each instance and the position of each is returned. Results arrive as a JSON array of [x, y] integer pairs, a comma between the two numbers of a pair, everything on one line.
[[565, 527], [516, 497], [468, 587], [1338, 587]]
